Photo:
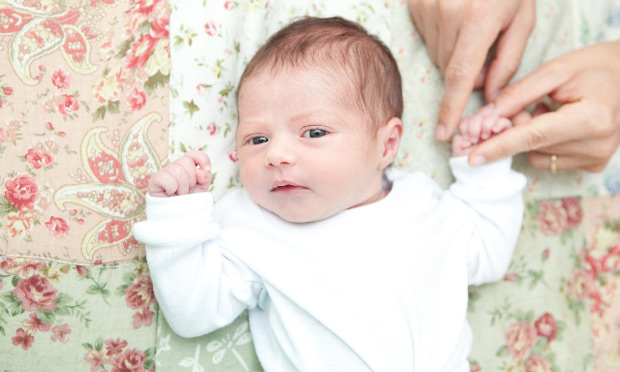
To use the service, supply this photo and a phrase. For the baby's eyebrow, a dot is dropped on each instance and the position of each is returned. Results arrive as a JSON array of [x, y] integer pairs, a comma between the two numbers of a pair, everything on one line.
[[319, 116], [302, 116]]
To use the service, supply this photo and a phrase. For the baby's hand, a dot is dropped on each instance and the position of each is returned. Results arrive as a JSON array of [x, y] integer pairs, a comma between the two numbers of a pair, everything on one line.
[[472, 131], [182, 176]]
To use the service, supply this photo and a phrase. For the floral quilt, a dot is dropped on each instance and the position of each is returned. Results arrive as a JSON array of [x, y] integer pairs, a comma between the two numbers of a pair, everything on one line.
[[95, 95]]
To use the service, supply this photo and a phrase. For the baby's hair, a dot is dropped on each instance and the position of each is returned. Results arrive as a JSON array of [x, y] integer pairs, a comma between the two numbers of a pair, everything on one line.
[[341, 49]]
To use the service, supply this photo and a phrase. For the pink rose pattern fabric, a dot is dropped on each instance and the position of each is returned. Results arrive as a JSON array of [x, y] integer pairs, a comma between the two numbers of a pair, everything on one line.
[[51, 311], [535, 329], [83, 115]]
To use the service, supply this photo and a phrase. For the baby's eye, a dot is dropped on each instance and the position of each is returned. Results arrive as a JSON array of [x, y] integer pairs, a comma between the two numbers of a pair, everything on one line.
[[315, 133], [259, 140]]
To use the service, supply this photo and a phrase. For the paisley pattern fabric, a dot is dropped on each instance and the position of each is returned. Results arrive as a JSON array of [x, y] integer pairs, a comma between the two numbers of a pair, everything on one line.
[[84, 112], [95, 95]]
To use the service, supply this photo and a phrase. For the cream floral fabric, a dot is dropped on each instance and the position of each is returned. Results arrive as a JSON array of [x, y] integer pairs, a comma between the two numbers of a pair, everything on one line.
[[539, 317]]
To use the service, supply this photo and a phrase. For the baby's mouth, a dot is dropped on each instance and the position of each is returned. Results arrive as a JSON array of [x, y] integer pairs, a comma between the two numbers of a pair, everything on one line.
[[283, 187]]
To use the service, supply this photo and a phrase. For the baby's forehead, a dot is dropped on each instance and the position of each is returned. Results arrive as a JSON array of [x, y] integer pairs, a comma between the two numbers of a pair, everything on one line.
[[311, 79]]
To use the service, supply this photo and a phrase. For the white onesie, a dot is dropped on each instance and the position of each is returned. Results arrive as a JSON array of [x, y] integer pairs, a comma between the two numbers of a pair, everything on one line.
[[382, 287]]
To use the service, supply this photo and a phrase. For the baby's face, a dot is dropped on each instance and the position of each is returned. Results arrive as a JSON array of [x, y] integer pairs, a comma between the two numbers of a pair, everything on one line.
[[302, 154]]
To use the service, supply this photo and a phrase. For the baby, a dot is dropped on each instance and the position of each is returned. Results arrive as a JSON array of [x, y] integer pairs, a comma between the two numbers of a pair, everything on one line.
[[344, 263]]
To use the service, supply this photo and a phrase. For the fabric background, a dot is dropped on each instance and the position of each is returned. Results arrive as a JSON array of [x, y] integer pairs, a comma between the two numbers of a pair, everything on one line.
[[95, 95]]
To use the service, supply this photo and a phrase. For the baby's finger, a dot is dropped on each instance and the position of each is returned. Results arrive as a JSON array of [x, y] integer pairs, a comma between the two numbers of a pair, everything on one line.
[[475, 125], [162, 184], [180, 175], [203, 180], [464, 127], [190, 169], [488, 123], [200, 158], [460, 146], [501, 125]]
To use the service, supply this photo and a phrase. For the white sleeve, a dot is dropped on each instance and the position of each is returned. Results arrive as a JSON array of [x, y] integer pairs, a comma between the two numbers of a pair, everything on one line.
[[199, 286], [493, 194]]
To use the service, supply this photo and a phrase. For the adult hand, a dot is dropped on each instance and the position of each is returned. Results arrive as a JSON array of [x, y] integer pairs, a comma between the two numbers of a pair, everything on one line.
[[459, 34], [583, 133]]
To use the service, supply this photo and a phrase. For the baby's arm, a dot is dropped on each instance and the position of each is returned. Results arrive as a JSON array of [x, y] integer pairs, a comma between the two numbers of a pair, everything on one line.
[[476, 129], [182, 176], [491, 205], [199, 285], [492, 196]]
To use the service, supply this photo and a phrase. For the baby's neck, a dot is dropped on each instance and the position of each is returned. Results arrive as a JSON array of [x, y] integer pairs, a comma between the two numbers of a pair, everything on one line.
[[373, 199]]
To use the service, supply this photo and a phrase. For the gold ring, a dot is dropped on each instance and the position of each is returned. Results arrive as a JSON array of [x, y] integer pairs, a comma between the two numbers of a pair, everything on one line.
[[553, 164]]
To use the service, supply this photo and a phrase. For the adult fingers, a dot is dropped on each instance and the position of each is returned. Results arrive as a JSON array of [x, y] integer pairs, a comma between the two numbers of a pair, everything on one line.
[[542, 131], [450, 17], [425, 18], [543, 81], [567, 160], [591, 153], [510, 48], [481, 77], [466, 63], [521, 118], [431, 39], [445, 46], [418, 13]]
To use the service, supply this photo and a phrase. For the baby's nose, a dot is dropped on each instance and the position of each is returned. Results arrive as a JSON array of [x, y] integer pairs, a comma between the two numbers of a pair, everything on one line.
[[279, 154]]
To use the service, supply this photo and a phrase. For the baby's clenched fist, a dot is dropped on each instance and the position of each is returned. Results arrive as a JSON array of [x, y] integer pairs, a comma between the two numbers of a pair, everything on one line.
[[187, 175]]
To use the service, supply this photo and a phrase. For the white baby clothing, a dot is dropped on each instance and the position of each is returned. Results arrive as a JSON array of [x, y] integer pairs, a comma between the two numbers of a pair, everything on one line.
[[381, 287]]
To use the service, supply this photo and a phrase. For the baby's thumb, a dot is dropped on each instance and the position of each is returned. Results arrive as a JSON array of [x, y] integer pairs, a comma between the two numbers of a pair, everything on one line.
[[203, 179]]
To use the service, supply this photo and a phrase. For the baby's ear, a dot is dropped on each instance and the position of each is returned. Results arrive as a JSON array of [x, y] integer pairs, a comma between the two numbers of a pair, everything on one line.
[[389, 134]]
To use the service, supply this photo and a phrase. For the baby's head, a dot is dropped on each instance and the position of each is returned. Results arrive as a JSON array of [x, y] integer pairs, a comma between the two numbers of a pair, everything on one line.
[[319, 119], [359, 68]]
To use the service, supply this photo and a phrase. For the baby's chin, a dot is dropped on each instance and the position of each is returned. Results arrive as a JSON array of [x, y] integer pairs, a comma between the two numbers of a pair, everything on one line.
[[302, 216]]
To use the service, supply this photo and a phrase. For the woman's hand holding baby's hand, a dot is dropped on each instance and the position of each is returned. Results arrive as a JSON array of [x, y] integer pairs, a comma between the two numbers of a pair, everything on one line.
[[476, 129], [187, 175], [459, 34], [584, 132]]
